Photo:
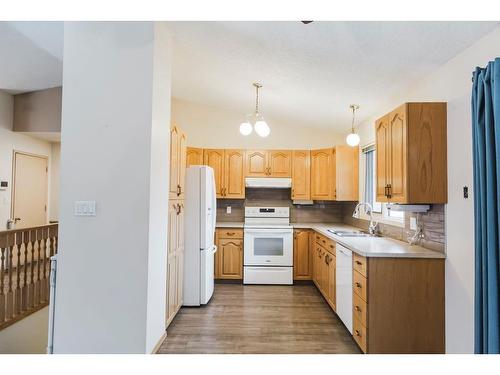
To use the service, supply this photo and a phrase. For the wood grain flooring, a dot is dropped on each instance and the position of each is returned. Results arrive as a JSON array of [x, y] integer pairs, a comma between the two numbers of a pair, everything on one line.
[[259, 319]]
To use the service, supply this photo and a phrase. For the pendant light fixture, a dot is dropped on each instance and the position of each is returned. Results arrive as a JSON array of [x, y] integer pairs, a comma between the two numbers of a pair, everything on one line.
[[352, 139], [260, 126]]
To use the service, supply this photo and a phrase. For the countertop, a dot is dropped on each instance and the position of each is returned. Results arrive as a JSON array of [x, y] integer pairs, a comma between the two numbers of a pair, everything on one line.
[[384, 247]]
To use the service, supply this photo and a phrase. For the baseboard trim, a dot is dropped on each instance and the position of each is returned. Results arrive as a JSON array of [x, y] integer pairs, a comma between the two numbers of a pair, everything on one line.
[[158, 344]]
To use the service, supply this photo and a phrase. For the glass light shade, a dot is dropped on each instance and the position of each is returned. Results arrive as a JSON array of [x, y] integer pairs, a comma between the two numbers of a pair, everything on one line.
[[246, 128], [352, 139], [262, 129]]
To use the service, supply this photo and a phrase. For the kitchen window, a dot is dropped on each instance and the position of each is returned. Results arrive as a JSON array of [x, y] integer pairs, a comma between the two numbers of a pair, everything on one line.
[[381, 213]]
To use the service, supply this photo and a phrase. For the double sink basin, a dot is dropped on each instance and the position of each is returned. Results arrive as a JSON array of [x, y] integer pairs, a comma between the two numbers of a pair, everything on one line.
[[350, 233]]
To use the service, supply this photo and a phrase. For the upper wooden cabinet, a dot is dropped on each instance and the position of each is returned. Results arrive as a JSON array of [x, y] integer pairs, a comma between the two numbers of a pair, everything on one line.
[[411, 154], [301, 174], [268, 163], [334, 173], [177, 163], [194, 156], [229, 167]]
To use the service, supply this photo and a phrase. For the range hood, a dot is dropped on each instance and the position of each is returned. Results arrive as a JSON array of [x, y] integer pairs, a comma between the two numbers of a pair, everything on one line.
[[268, 182]]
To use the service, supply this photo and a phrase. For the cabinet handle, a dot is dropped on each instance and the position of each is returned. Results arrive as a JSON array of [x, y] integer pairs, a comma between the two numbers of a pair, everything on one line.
[[179, 190], [357, 308], [358, 285], [358, 262], [389, 191], [230, 233], [357, 333]]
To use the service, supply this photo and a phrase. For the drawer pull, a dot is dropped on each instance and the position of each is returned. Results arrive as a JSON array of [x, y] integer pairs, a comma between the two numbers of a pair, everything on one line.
[[230, 233], [357, 308], [357, 333], [358, 263], [358, 285]]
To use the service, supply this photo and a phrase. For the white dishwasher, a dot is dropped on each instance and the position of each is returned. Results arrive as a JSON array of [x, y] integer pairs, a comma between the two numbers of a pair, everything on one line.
[[343, 281]]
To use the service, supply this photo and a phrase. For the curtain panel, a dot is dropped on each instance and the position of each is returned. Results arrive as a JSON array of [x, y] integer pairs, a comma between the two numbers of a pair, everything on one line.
[[486, 153]]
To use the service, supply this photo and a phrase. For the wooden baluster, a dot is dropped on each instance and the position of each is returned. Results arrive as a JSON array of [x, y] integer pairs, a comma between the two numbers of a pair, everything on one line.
[[24, 298], [3, 249], [45, 289], [9, 309], [38, 285], [17, 290], [31, 286]]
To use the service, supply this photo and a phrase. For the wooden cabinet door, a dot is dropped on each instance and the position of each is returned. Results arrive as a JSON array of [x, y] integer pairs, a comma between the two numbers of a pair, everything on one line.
[[182, 164], [172, 226], [302, 255], [321, 174], [257, 163], [301, 174], [331, 279], [171, 288], [397, 126], [382, 152], [280, 163], [234, 174], [174, 162], [231, 258], [194, 156], [346, 173], [215, 158], [179, 284]]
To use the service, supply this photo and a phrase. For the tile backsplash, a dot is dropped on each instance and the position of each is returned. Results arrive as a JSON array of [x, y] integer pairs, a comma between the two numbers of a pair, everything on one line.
[[432, 224], [319, 212]]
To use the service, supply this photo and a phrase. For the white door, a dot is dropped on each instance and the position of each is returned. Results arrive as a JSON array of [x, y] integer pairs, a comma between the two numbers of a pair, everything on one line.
[[29, 193]]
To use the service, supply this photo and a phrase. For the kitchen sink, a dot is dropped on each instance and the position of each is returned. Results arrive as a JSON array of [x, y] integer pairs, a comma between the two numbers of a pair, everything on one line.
[[347, 233]]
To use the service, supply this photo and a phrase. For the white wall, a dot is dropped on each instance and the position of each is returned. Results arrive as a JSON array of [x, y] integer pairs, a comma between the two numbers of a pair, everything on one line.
[[10, 141], [212, 127], [28, 336], [111, 271], [452, 83]]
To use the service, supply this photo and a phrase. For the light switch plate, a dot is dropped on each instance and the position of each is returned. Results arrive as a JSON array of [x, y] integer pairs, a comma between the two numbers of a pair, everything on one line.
[[85, 208], [413, 223], [228, 209]]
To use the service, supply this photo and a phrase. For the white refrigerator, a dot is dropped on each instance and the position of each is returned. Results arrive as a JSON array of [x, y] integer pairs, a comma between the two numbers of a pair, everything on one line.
[[200, 214]]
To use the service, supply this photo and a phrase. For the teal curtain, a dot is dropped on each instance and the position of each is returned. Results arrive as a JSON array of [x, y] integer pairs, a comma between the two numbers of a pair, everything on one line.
[[486, 153]]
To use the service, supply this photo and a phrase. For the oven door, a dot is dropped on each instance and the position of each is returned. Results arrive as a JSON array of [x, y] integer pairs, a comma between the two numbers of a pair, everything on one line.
[[268, 247]]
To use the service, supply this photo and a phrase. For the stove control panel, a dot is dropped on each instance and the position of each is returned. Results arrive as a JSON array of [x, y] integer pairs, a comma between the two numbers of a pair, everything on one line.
[[267, 211]]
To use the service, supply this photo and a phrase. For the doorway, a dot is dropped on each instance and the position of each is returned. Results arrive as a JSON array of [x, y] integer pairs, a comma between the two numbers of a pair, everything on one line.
[[29, 189]]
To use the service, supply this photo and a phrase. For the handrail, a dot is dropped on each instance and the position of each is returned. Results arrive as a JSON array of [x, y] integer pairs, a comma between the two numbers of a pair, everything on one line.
[[24, 270]]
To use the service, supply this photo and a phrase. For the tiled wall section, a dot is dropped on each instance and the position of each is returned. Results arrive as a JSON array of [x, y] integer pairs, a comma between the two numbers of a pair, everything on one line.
[[319, 212], [432, 222]]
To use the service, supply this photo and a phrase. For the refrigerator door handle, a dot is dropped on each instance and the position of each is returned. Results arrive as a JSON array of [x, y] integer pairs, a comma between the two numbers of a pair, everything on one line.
[[214, 250]]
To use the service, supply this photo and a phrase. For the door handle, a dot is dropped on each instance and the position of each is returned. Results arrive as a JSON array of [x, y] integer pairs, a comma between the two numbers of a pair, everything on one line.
[[389, 191]]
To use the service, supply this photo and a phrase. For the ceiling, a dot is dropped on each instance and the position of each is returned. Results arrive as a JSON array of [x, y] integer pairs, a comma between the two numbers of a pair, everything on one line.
[[310, 73]]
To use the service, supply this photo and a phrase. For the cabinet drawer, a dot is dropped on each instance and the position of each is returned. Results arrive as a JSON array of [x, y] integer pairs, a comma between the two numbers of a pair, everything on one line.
[[359, 264], [359, 334], [230, 233], [360, 285], [359, 309]]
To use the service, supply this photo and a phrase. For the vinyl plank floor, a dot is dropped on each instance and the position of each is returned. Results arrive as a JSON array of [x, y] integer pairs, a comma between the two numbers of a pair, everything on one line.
[[259, 319]]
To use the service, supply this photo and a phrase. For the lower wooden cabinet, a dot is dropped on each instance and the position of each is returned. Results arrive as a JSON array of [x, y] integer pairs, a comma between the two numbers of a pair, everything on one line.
[[302, 255], [175, 259], [324, 263], [398, 305], [229, 255]]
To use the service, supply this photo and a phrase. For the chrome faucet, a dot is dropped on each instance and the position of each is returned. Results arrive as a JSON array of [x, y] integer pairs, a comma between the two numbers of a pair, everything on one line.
[[372, 229]]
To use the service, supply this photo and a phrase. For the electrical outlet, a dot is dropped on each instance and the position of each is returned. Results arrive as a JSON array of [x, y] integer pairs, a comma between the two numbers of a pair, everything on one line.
[[228, 209], [413, 223], [85, 208]]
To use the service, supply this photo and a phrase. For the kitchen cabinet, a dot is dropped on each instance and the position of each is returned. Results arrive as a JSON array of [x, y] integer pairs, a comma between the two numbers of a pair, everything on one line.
[[175, 258], [324, 268], [301, 175], [302, 255], [229, 255], [229, 169], [398, 305], [411, 154], [268, 163], [334, 174], [177, 163], [194, 156]]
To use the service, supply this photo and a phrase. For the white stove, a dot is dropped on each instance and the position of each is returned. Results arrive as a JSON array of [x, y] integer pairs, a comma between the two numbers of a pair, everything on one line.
[[268, 246]]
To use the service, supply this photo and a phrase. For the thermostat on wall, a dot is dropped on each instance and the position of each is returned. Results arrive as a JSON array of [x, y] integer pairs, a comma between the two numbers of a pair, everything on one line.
[[4, 185]]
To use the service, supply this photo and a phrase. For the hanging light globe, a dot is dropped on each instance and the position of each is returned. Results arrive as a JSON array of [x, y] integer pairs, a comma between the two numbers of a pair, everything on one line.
[[246, 128], [352, 139], [262, 129]]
